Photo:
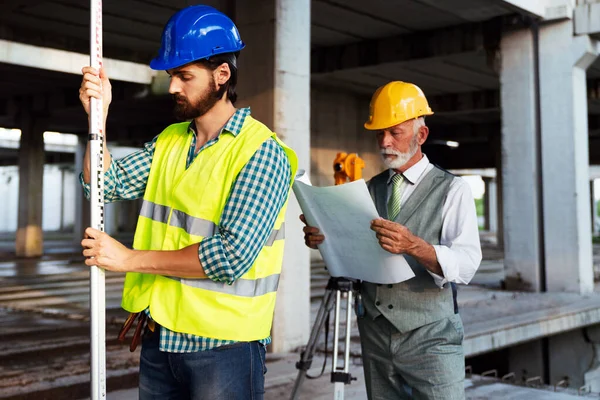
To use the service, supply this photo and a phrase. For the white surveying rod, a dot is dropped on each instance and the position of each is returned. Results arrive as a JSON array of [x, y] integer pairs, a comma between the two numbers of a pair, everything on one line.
[[97, 281]]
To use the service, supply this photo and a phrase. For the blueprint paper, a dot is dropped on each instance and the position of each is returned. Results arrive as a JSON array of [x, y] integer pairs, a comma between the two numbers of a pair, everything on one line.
[[343, 214]]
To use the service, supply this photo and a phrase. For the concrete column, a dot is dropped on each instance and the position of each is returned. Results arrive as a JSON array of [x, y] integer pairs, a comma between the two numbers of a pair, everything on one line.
[[497, 140], [518, 167], [491, 205], [82, 205], [594, 205], [499, 213], [526, 360], [564, 262], [572, 355], [274, 79], [564, 59], [111, 212], [29, 240], [592, 374]]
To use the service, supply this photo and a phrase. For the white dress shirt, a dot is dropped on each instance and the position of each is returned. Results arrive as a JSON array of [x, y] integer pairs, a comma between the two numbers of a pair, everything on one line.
[[459, 251]]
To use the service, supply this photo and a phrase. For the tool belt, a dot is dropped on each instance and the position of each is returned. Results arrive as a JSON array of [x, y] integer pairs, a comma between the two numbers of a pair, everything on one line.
[[144, 325]]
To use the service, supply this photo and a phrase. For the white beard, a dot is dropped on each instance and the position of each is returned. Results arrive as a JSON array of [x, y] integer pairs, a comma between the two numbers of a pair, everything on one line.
[[401, 158]]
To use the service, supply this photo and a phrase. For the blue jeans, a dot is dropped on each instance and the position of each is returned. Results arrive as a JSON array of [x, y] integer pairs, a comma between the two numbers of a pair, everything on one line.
[[233, 372]]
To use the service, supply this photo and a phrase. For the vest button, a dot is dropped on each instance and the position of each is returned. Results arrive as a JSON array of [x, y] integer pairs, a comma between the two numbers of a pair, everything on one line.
[[390, 306], [377, 303], [390, 286]]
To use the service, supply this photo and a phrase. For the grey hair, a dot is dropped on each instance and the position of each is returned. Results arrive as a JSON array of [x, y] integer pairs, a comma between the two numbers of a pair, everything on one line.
[[419, 122]]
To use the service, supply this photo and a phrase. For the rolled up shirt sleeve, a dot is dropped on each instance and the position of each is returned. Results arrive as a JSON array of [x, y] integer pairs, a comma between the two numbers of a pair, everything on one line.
[[459, 251], [126, 178], [257, 196]]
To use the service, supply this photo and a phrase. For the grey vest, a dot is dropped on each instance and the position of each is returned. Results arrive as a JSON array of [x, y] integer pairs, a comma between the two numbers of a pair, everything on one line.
[[418, 301]]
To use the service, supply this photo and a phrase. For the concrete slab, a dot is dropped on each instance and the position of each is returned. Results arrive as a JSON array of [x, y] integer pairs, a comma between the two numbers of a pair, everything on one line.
[[493, 319], [281, 376], [498, 319], [480, 388], [57, 286]]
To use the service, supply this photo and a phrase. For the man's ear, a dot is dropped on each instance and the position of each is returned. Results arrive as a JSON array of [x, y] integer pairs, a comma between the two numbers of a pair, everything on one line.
[[423, 134], [222, 74]]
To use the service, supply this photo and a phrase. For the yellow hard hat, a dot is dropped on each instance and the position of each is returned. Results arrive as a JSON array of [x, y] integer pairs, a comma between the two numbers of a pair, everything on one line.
[[395, 103]]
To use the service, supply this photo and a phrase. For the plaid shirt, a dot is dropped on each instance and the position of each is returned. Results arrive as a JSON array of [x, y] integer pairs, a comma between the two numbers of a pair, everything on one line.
[[255, 200]]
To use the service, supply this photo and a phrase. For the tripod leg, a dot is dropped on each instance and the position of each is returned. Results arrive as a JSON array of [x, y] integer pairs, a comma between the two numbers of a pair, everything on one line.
[[342, 376], [307, 354], [338, 387], [338, 391], [336, 330], [348, 333]]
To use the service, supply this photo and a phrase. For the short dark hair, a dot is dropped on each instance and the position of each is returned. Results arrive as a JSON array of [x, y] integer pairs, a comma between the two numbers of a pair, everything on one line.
[[213, 63]]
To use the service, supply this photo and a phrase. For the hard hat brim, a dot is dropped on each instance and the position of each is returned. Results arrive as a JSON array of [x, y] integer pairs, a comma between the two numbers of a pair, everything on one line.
[[374, 127], [158, 64]]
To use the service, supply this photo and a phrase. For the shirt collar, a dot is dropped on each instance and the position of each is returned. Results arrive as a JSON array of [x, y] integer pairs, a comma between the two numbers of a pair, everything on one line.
[[234, 124], [413, 173]]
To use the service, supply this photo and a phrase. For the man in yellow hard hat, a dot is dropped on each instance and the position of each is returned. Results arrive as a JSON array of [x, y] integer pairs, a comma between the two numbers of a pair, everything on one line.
[[411, 332]]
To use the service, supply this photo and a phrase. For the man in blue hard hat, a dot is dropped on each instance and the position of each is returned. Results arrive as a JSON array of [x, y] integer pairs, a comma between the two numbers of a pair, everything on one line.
[[208, 248]]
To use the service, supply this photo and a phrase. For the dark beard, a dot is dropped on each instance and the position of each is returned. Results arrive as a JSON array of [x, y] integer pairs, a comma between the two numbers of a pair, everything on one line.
[[189, 110]]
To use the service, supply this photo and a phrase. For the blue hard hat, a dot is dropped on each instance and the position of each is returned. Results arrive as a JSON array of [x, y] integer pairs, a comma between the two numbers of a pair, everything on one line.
[[194, 33]]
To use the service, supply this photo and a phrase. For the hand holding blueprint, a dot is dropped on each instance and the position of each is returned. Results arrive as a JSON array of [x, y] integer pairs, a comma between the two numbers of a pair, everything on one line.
[[343, 214]]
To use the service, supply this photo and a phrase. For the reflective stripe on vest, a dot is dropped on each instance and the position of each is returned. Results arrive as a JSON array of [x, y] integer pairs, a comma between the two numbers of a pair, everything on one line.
[[241, 287], [276, 234], [192, 225]]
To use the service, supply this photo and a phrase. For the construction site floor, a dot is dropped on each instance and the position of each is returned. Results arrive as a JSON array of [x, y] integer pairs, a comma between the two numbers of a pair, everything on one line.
[[282, 374], [44, 341]]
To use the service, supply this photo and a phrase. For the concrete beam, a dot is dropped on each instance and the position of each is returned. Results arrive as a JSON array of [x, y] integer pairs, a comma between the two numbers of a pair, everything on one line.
[[491, 173], [419, 45], [593, 88], [475, 150], [468, 132], [489, 100], [483, 337], [70, 62], [547, 10], [35, 31], [467, 155], [481, 100], [559, 9], [528, 7], [9, 6], [587, 19]]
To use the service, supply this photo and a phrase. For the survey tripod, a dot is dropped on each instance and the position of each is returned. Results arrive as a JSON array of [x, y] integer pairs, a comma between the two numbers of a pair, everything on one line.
[[346, 167]]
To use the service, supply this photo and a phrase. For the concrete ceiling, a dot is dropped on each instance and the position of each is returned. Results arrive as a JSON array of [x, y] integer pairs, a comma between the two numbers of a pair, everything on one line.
[[132, 30], [347, 21], [456, 73], [446, 47], [134, 26]]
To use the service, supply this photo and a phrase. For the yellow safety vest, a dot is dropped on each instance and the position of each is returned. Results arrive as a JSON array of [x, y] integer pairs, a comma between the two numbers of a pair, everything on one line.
[[182, 206]]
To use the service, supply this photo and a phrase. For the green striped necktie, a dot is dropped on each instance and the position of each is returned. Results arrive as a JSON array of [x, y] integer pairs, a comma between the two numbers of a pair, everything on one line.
[[394, 201]]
